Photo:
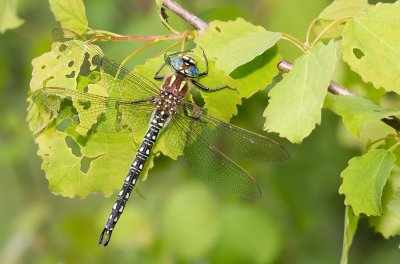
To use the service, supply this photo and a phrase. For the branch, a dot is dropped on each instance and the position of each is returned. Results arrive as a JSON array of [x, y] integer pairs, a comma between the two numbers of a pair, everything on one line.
[[199, 24], [283, 66]]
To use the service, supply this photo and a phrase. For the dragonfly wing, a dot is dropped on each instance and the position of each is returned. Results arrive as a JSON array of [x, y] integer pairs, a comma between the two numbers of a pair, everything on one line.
[[118, 81], [234, 141], [209, 163], [101, 114]]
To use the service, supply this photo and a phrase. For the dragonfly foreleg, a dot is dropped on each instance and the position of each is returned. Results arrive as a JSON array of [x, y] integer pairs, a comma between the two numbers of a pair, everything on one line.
[[205, 88]]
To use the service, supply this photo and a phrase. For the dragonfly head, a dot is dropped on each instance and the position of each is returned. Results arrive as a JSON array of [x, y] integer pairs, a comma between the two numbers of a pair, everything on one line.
[[186, 66]]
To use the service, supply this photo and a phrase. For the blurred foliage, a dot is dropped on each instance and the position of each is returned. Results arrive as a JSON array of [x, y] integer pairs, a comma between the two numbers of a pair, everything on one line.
[[298, 220]]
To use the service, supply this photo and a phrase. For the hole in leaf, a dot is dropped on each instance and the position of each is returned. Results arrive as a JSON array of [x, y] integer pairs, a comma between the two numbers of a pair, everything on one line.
[[62, 127], [96, 60], [218, 29], [85, 104], [75, 149], [70, 64], [86, 161], [43, 67], [85, 67], [358, 53], [45, 81], [63, 47], [71, 75]]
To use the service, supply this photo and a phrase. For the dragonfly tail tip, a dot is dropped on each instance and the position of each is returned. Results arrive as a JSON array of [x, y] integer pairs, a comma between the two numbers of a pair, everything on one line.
[[105, 234]]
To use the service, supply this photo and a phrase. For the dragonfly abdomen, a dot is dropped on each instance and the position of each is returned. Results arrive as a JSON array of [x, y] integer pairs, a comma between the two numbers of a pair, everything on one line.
[[157, 123]]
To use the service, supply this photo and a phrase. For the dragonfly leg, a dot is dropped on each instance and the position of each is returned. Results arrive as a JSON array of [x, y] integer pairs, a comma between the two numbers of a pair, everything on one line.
[[205, 88], [206, 61], [107, 232], [195, 113], [159, 77]]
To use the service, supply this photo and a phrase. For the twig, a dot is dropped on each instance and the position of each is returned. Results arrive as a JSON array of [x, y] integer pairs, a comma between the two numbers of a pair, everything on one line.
[[199, 24], [283, 66]]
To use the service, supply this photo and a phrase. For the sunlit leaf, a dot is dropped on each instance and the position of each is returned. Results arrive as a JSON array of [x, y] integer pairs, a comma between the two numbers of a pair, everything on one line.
[[336, 10], [70, 13], [371, 45], [235, 43], [295, 103], [364, 179], [350, 228], [8, 15], [388, 224], [257, 74], [77, 161], [357, 112]]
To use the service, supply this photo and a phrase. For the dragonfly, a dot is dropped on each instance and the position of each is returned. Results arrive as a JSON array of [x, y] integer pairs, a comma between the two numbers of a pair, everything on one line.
[[209, 142]]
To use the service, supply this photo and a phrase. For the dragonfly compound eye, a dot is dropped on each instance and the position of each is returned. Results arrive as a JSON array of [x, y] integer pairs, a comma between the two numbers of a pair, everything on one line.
[[189, 60]]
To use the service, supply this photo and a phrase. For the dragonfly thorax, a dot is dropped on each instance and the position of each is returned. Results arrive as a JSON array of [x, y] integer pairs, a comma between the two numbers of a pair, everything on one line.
[[167, 103], [177, 85]]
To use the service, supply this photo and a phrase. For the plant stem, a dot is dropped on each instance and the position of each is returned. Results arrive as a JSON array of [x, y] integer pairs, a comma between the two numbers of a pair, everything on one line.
[[309, 29], [130, 56], [170, 47], [293, 40], [370, 144], [394, 147], [330, 25]]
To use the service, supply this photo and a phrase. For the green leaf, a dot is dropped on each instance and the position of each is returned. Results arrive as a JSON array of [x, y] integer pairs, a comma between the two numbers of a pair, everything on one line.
[[99, 166], [78, 161], [257, 74], [371, 45], [70, 13], [336, 10], [388, 224], [394, 204], [364, 179], [223, 103], [295, 102], [235, 43], [357, 112], [8, 15], [350, 228]]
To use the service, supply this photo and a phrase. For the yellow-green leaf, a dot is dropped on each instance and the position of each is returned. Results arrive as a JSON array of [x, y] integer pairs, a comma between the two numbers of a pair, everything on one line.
[[295, 102], [70, 13], [350, 228], [357, 112], [336, 10], [364, 179], [234, 43], [388, 224], [257, 74], [8, 15], [371, 45]]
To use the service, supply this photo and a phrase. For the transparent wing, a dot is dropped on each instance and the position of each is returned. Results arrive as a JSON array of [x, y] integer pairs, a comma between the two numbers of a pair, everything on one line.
[[210, 142], [234, 141], [118, 81], [213, 166], [101, 114]]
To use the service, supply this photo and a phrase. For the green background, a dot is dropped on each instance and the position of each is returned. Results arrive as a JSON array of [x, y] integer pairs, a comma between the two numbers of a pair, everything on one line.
[[181, 220]]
